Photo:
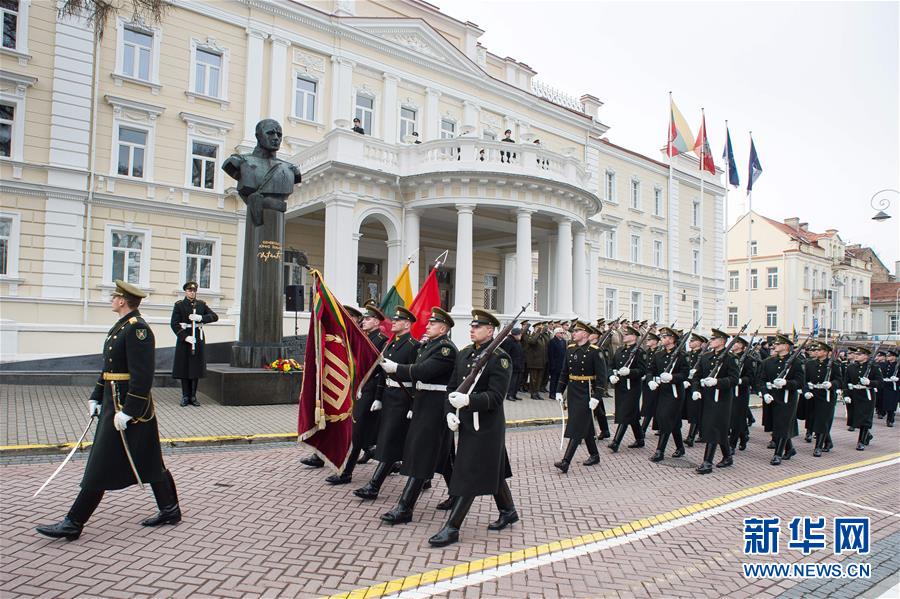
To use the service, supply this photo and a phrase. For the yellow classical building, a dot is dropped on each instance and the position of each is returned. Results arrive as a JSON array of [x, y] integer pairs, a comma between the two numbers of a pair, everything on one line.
[[110, 155]]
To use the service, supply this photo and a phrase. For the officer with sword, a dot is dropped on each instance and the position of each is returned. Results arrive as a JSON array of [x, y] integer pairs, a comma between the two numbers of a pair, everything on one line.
[[126, 448], [188, 317]]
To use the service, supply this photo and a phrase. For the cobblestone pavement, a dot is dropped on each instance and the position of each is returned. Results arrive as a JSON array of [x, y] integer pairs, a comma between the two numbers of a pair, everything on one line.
[[259, 525]]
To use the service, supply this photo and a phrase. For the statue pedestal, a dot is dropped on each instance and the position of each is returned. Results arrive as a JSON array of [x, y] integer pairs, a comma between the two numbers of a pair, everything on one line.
[[247, 355], [230, 386]]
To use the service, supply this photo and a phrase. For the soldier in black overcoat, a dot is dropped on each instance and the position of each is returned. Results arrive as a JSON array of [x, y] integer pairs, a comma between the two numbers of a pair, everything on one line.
[[696, 346], [428, 441], [649, 396], [395, 404], [669, 371], [861, 377], [891, 391], [188, 317], [625, 373], [123, 405], [582, 368], [713, 384], [823, 379], [482, 463], [779, 390], [747, 364]]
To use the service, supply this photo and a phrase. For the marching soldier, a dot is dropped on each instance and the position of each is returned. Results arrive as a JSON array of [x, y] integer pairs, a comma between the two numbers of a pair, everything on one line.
[[779, 391], [582, 368], [740, 424], [365, 421], [891, 391], [482, 464], [714, 384], [188, 317], [395, 404], [669, 372], [822, 382], [880, 363], [428, 442], [649, 396], [627, 380], [860, 379], [126, 445], [599, 386], [692, 408]]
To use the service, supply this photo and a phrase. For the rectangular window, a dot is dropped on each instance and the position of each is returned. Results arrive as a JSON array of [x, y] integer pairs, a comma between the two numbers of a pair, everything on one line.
[[198, 266], [635, 194], [733, 280], [753, 279], [806, 280], [610, 244], [635, 305], [657, 308], [203, 164], [893, 321], [208, 73], [732, 317], [137, 52], [132, 149], [9, 9], [365, 112], [489, 135], [611, 187], [611, 303], [753, 248], [695, 261], [448, 129], [636, 249], [657, 253], [7, 118], [5, 241], [491, 291], [772, 277], [305, 91], [407, 122], [695, 310], [695, 213], [126, 256], [825, 281], [805, 317], [771, 316], [657, 202]]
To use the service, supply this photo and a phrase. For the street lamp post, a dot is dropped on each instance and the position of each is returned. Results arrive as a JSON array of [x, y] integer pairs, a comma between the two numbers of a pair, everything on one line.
[[882, 205]]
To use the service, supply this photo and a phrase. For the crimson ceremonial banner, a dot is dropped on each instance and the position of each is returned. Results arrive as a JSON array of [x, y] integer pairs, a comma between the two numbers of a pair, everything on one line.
[[339, 358]]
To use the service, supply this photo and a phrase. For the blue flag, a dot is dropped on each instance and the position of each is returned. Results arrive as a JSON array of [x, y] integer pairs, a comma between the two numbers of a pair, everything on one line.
[[815, 327], [728, 156], [755, 167]]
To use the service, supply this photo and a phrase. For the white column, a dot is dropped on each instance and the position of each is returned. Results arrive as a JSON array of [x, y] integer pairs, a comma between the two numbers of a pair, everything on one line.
[[545, 276], [278, 78], [340, 250], [510, 290], [593, 280], [524, 276], [253, 84], [341, 89], [564, 267], [411, 247], [580, 276], [389, 109], [472, 116], [432, 115], [463, 286], [394, 261]]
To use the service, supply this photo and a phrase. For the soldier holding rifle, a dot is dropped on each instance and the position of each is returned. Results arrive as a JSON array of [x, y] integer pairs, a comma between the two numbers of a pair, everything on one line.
[[779, 379]]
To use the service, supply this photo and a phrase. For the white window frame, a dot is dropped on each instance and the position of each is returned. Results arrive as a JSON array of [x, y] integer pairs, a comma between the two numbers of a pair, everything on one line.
[[300, 74], [12, 251], [361, 110], [695, 310], [17, 100], [657, 201], [21, 49], [732, 316], [146, 250], [695, 262], [609, 186], [211, 47], [734, 280], [635, 249], [401, 121], [806, 277], [637, 305], [448, 134], [636, 194], [119, 74], [126, 113], [753, 279], [771, 316], [893, 323], [216, 266], [115, 152], [611, 244], [611, 302], [13, 137], [771, 277], [189, 167], [805, 321], [494, 305], [209, 131], [825, 280], [657, 253], [754, 248], [695, 213], [657, 307]]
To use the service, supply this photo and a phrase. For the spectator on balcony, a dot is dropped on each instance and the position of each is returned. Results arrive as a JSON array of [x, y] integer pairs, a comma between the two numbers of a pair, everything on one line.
[[507, 156], [541, 162], [416, 137], [357, 127]]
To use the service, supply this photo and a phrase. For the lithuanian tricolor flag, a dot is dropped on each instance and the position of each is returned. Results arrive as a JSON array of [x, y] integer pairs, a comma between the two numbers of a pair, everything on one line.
[[398, 295], [681, 139]]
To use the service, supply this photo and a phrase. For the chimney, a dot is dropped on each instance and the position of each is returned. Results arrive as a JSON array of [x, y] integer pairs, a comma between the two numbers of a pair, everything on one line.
[[793, 222], [591, 105], [897, 270], [804, 227], [831, 231]]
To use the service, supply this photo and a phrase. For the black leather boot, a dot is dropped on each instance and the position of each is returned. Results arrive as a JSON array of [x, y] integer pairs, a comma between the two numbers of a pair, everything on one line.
[[593, 452], [508, 513], [403, 511], [368, 454], [742, 441], [860, 444], [706, 467], [660, 453], [346, 476], [727, 457], [371, 488], [617, 438], [890, 420], [789, 450], [779, 451], [645, 424], [449, 534], [679, 443], [563, 464], [312, 460], [820, 443], [638, 435], [772, 444], [167, 502], [829, 444], [65, 529], [692, 434], [808, 437]]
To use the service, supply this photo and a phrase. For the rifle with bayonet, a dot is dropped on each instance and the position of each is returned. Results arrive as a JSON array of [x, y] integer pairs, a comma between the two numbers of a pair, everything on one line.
[[680, 347], [637, 346], [749, 353], [726, 351]]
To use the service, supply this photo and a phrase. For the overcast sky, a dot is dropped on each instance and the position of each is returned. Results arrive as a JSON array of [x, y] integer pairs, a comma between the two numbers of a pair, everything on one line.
[[816, 82]]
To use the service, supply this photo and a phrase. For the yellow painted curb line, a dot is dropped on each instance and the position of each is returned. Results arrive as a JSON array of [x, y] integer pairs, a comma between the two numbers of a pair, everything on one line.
[[448, 572]]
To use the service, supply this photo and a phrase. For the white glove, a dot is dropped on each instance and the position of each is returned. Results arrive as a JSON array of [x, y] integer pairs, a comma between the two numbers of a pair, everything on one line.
[[458, 400], [779, 383], [666, 377], [808, 395], [359, 395], [686, 384], [120, 421], [709, 382], [593, 403], [623, 371], [559, 397], [653, 385], [389, 366], [184, 325], [93, 408], [810, 385], [864, 381], [826, 385], [768, 398], [409, 415], [452, 422], [894, 379], [195, 317], [614, 380], [770, 386], [692, 372], [696, 395], [376, 405], [847, 399], [190, 339]]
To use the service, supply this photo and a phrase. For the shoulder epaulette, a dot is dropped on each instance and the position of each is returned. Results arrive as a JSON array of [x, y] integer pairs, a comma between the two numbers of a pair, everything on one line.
[[133, 320], [571, 345], [594, 346]]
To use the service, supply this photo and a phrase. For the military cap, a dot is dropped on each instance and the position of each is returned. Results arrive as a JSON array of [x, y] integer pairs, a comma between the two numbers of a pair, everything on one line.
[[515, 330], [718, 333], [670, 332], [699, 337], [438, 315], [630, 330], [743, 341], [192, 285], [780, 338], [880, 352], [401, 313], [373, 310], [483, 317], [123, 289], [894, 352], [653, 336], [862, 350], [580, 325], [352, 311], [819, 345], [601, 322]]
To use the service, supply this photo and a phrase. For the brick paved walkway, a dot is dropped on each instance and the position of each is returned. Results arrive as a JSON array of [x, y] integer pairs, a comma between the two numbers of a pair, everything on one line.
[[257, 524]]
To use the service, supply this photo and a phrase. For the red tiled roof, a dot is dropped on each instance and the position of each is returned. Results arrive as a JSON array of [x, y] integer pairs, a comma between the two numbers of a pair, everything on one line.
[[809, 237], [882, 292]]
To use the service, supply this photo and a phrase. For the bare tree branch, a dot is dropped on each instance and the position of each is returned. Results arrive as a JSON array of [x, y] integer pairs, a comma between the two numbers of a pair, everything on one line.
[[98, 12]]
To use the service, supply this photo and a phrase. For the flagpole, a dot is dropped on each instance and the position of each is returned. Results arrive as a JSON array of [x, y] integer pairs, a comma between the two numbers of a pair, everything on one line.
[[670, 303], [725, 209], [750, 238], [702, 219]]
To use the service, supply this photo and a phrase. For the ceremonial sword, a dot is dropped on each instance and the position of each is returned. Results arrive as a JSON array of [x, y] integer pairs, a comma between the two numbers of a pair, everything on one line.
[[68, 457]]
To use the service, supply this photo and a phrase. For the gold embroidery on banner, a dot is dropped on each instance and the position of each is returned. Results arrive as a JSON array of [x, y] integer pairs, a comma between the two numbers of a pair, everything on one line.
[[335, 380]]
